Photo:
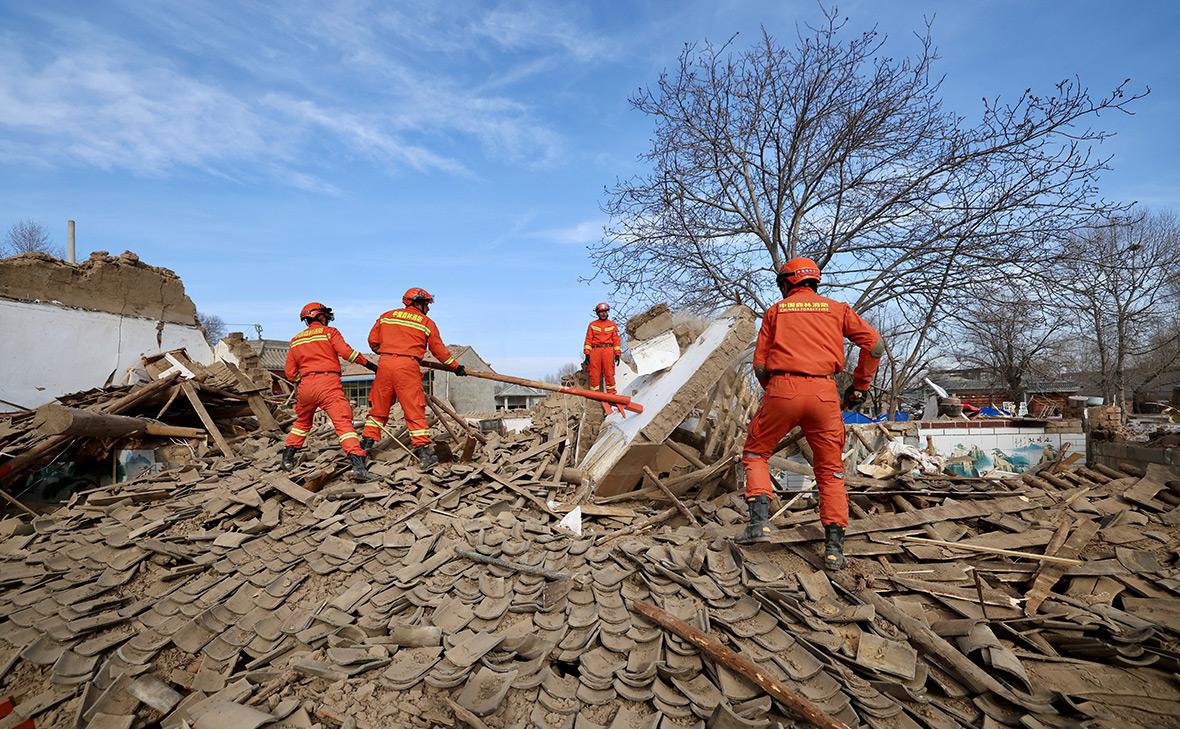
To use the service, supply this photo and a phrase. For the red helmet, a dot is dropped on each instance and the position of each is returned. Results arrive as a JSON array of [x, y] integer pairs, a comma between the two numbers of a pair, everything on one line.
[[417, 294], [602, 306], [798, 270], [311, 310]]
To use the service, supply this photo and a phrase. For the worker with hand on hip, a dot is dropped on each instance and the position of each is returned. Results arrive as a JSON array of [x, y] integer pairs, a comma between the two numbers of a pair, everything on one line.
[[602, 349], [313, 361], [401, 337], [800, 349]]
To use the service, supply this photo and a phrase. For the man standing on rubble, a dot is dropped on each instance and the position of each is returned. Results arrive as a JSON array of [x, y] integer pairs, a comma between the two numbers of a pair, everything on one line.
[[799, 352], [602, 349], [401, 337], [313, 361]]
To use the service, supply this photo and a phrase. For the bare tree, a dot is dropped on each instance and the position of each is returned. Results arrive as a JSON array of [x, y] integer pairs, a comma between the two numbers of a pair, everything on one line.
[[835, 150], [29, 236], [1117, 281], [566, 370], [212, 325], [1012, 331]]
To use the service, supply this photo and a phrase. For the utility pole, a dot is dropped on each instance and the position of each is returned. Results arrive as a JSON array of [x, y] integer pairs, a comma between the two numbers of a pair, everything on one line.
[[258, 331], [70, 245]]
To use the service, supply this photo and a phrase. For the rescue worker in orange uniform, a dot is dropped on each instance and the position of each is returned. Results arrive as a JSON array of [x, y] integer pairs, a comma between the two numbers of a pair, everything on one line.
[[313, 361], [602, 349], [800, 349], [401, 337]]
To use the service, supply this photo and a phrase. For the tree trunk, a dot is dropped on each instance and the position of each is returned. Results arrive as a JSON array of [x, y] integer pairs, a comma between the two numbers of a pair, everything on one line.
[[60, 420]]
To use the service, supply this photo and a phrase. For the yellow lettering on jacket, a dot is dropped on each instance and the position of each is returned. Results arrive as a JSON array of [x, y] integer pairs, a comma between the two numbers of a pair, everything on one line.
[[405, 315], [804, 306]]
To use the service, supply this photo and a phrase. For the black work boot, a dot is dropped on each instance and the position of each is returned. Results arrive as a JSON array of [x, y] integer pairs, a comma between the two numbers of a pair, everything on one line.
[[426, 457], [288, 463], [759, 527], [366, 443], [834, 547], [359, 472]]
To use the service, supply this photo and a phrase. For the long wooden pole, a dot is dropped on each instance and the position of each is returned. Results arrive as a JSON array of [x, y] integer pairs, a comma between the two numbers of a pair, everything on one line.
[[994, 550], [509, 379], [740, 665]]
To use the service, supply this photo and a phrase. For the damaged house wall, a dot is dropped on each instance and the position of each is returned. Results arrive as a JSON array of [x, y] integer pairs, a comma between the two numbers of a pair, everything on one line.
[[68, 327]]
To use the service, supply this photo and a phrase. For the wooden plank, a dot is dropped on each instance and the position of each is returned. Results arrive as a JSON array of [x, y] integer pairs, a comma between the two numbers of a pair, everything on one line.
[[675, 501], [536, 450], [289, 488], [258, 406], [1048, 575], [190, 392], [993, 550], [909, 520]]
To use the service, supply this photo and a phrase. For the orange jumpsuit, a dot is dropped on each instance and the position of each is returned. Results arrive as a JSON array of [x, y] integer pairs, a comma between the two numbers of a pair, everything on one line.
[[602, 346], [801, 344], [401, 337], [314, 362]]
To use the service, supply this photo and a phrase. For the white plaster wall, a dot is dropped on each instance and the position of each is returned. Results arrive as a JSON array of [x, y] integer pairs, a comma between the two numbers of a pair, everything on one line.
[[51, 350]]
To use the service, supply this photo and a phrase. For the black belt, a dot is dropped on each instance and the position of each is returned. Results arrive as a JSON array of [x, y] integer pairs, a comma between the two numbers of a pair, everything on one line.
[[602, 346], [776, 373]]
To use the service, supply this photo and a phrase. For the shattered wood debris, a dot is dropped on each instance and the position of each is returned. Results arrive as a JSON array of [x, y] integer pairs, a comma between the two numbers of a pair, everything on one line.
[[229, 595], [182, 399], [494, 591]]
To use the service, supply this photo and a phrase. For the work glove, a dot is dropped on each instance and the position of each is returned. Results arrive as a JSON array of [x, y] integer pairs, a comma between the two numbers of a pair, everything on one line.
[[854, 398], [371, 366], [586, 362], [461, 371], [616, 359]]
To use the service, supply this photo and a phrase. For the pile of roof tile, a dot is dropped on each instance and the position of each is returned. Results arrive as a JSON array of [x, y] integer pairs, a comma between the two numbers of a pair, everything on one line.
[[230, 596]]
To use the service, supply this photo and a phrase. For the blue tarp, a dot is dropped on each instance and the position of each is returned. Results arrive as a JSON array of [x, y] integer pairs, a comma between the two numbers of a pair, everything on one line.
[[994, 412], [855, 418]]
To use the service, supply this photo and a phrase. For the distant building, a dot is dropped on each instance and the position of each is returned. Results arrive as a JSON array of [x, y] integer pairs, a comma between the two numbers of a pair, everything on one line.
[[518, 397], [975, 387]]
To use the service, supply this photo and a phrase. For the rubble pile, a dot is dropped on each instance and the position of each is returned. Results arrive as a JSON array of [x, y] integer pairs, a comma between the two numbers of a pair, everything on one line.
[[230, 595]]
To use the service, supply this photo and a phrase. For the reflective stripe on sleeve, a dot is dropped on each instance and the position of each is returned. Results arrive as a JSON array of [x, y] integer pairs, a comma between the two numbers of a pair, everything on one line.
[[449, 361], [318, 338], [410, 324], [352, 357]]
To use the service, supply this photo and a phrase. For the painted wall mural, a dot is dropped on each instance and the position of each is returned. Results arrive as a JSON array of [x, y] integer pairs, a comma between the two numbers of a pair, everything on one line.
[[977, 453]]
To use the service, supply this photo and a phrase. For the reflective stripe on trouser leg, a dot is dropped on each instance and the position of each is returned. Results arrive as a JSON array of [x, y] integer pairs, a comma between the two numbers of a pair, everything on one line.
[[595, 373], [608, 368], [407, 388], [824, 430], [336, 405], [380, 400], [774, 419], [305, 405]]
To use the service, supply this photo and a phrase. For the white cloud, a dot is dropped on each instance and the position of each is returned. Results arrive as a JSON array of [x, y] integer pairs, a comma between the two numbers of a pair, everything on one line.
[[274, 93], [577, 234]]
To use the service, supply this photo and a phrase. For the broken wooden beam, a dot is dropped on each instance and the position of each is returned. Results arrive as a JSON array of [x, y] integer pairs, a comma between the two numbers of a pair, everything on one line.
[[993, 550], [56, 419], [190, 392], [740, 665], [675, 501], [909, 520]]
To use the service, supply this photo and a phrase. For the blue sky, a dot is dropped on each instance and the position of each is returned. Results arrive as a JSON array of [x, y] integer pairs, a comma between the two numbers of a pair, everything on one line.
[[276, 154]]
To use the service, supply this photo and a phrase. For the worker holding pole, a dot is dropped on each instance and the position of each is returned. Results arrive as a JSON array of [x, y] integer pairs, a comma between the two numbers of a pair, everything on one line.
[[401, 337], [800, 350], [602, 349]]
